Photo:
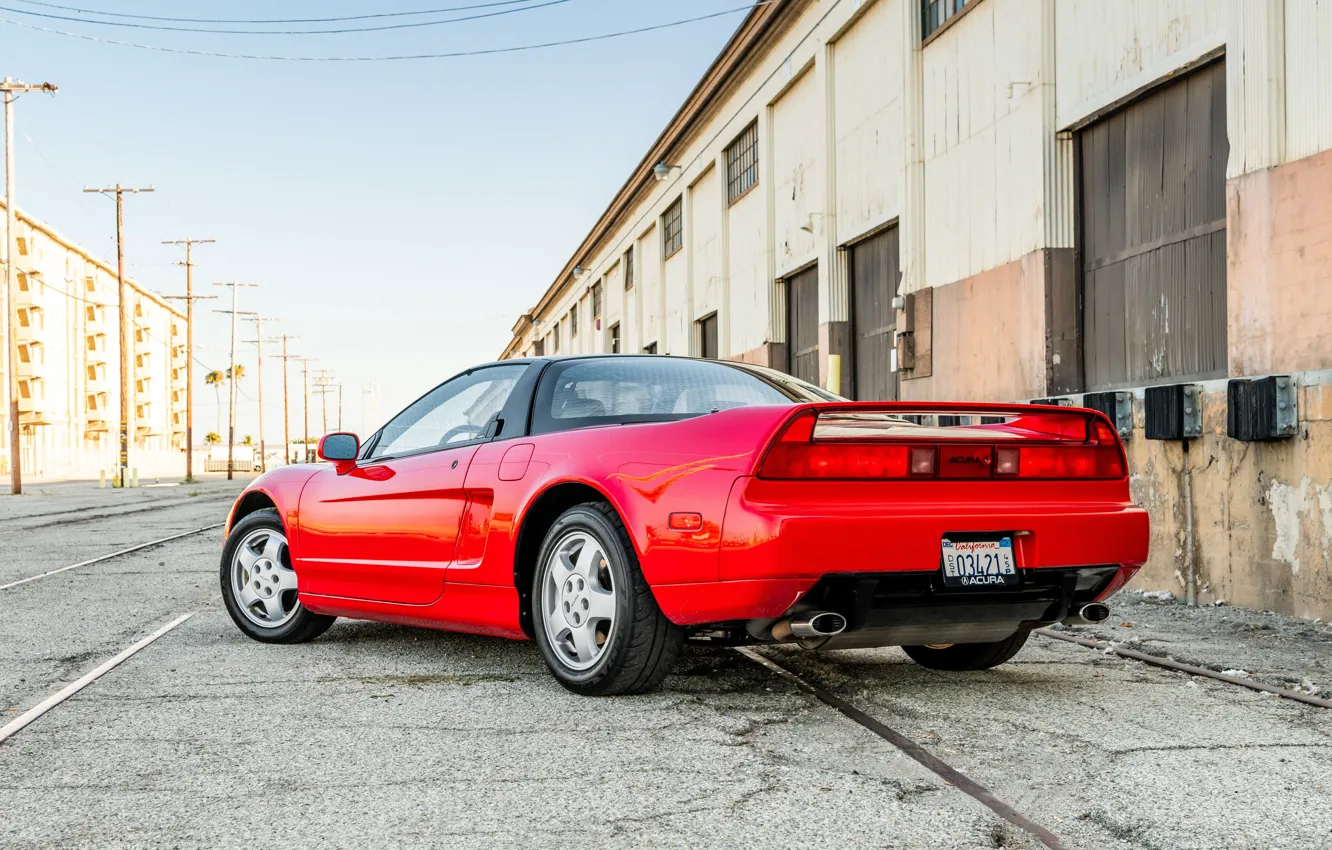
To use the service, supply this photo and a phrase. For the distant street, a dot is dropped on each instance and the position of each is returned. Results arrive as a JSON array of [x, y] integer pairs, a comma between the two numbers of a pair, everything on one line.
[[377, 734]]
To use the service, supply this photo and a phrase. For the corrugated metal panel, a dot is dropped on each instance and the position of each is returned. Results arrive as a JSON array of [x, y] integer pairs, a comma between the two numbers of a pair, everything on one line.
[[1153, 207], [802, 310], [1308, 75], [874, 265]]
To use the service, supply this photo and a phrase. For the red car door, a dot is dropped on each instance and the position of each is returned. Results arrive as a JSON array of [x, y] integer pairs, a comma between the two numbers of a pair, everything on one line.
[[384, 531], [387, 529]]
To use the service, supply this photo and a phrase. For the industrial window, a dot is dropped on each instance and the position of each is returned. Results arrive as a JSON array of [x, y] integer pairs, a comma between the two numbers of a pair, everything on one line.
[[555, 338], [573, 322], [615, 338], [672, 228], [936, 13], [650, 348], [1153, 236], [629, 269], [742, 164], [707, 337], [539, 348], [596, 300]]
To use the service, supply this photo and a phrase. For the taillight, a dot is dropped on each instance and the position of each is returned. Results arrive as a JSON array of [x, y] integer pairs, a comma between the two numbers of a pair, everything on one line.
[[796, 454]]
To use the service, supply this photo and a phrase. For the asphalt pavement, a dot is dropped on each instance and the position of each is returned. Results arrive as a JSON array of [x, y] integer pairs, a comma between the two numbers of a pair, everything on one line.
[[378, 735]]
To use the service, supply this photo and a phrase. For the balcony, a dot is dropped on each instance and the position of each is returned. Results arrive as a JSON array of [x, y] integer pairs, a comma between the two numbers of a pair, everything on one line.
[[31, 324], [29, 286], [31, 360], [32, 401]]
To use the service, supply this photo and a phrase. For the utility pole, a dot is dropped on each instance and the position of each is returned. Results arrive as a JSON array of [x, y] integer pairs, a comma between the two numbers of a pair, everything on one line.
[[286, 407], [324, 385], [305, 408], [125, 358], [232, 377], [259, 376], [189, 298], [10, 88], [339, 405]]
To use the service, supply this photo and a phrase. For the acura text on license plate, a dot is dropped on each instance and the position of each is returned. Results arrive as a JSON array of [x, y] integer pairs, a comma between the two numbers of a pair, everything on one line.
[[979, 563]]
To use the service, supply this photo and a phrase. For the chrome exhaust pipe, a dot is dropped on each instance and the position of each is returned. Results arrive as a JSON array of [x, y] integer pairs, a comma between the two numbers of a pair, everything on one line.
[[819, 624], [1089, 615]]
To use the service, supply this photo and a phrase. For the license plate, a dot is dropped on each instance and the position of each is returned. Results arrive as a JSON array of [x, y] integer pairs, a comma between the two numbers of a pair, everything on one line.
[[979, 563]]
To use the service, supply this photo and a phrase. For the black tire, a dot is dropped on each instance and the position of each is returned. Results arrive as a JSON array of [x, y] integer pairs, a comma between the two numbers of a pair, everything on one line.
[[303, 625], [968, 656], [643, 645]]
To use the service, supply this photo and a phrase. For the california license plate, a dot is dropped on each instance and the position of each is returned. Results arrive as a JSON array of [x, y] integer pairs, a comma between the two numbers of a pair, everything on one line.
[[979, 563]]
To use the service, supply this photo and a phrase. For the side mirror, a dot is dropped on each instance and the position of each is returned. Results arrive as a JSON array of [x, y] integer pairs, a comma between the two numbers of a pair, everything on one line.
[[341, 450]]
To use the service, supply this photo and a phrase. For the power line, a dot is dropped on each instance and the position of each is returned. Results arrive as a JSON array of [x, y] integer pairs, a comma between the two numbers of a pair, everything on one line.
[[412, 25], [453, 55], [274, 20]]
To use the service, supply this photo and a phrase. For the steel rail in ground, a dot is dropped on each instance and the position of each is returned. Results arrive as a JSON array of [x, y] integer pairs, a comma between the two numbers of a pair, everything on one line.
[[138, 548], [1192, 669]]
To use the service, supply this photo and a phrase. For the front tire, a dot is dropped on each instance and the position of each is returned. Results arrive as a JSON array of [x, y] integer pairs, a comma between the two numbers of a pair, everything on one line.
[[968, 656], [259, 585], [596, 622]]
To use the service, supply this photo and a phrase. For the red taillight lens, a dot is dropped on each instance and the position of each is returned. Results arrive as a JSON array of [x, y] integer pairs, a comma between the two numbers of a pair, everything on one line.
[[797, 455]]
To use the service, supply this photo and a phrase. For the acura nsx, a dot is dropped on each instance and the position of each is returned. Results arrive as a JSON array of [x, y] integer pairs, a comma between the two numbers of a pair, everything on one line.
[[611, 507]]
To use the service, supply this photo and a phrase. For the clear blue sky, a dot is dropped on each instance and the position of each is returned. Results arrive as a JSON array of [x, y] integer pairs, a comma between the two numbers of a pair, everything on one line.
[[398, 216]]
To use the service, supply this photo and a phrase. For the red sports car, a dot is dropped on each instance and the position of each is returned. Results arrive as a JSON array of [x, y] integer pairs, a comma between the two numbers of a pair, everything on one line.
[[609, 507]]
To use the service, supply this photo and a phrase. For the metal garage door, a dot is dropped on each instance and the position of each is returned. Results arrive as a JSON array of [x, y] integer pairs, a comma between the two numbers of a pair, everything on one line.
[[1153, 237], [802, 324], [873, 265]]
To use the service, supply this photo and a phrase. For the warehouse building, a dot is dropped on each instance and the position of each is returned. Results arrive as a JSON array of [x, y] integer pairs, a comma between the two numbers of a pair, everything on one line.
[[1007, 200], [68, 364]]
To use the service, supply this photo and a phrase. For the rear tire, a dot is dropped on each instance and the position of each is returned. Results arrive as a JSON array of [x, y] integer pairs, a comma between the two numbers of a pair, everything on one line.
[[968, 656], [259, 585], [595, 619]]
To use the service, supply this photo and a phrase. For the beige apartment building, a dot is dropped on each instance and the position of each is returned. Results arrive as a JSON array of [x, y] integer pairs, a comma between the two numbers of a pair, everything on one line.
[[1120, 204], [69, 365]]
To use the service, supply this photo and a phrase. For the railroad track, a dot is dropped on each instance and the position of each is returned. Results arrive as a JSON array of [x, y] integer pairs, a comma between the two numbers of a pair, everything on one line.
[[118, 553], [80, 516]]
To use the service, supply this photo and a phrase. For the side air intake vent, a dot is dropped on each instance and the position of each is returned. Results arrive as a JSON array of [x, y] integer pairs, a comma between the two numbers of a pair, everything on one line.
[[1261, 409], [1173, 412], [1117, 406]]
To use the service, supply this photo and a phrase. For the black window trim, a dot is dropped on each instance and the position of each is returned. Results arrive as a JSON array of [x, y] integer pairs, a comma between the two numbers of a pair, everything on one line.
[[513, 410]]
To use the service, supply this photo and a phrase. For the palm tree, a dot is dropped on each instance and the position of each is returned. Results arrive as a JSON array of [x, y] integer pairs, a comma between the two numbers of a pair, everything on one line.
[[212, 438], [240, 372], [215, 379]]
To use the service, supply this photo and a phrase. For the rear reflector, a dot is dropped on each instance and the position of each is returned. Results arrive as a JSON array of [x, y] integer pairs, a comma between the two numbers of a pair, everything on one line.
[[1047, 453], [685, 521]]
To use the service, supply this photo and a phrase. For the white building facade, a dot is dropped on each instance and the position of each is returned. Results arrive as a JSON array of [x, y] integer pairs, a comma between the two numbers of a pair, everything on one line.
[[68, 365], [1009, 200]]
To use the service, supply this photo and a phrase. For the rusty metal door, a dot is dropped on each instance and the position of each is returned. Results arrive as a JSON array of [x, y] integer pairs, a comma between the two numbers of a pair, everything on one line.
[[874, 265], [1152, 235], [802, 324]]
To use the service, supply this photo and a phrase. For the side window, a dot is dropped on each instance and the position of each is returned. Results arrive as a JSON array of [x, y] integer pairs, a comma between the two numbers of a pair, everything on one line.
[[456, 412]]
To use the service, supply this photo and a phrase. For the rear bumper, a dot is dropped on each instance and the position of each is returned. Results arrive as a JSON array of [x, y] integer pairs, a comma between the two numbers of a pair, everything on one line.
[[781, 529], [871, 552]]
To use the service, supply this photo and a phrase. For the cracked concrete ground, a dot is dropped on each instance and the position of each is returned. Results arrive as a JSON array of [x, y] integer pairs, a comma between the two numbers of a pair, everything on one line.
[[381, 735]]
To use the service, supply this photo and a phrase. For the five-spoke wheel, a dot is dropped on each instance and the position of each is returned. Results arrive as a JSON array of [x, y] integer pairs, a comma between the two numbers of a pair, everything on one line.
[[259, 584], [579, 600], [594, 616]]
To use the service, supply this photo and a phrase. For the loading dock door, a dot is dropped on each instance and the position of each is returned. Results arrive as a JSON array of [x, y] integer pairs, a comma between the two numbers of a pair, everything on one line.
[[1153, 236], [873, 265], [802, 324]]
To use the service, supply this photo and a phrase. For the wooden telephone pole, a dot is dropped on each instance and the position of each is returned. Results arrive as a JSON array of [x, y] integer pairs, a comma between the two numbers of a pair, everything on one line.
[[286, 407], [259, 376], [189, 298], [305, 408], [233, 378], [125, 358], [10, 88], [324, 385]]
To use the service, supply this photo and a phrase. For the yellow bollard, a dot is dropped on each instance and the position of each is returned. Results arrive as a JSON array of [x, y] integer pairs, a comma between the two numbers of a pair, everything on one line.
[[835, 374], [134, 476], [101, 479]]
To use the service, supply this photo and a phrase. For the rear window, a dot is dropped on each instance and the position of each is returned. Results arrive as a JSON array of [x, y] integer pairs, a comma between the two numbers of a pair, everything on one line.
[[579, 393]]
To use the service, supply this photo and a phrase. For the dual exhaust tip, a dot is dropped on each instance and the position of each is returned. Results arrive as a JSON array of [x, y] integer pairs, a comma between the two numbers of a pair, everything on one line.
[[825, 624], [817, 624]]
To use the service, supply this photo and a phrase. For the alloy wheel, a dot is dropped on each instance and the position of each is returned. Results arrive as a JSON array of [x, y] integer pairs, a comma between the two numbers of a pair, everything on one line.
[[578, 601], [262, 580]]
